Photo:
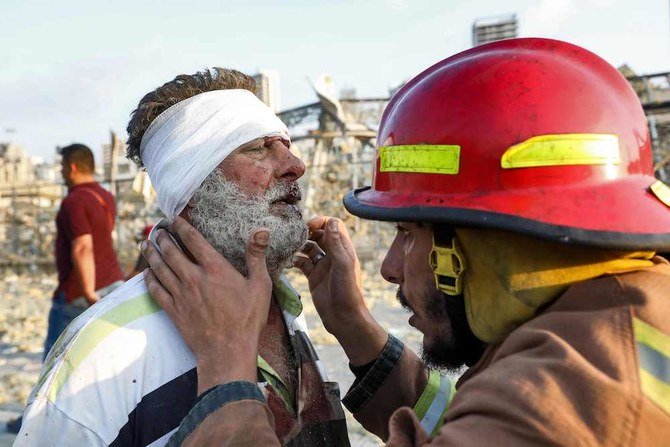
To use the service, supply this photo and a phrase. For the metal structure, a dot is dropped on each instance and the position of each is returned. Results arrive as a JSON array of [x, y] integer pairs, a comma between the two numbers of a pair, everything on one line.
[[654, 93], [336, 139]]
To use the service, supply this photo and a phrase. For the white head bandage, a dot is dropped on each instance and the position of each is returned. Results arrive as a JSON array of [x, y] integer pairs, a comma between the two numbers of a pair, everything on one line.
[[186, 142]]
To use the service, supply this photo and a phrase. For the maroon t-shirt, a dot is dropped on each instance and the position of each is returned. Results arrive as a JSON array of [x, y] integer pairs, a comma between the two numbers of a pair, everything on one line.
[[87, 209]]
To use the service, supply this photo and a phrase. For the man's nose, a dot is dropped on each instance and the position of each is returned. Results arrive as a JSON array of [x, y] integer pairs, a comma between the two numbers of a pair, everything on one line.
[[291, 167], [392, 266]]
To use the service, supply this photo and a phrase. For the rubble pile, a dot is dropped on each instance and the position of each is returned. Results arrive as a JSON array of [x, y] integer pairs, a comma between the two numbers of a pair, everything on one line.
[[25, 301]]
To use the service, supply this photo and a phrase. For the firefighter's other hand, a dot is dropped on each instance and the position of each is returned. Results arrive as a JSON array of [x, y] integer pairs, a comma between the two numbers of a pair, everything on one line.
[[331, 266]]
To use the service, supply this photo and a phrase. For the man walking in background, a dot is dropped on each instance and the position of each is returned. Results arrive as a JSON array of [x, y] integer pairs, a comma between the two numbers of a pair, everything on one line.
[[85, 258]]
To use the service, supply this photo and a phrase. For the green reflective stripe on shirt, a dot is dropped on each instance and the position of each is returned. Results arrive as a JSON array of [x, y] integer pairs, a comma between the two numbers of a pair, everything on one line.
[[653, 349], [271, 377], [428, 395], [94, 332], [287, 298]]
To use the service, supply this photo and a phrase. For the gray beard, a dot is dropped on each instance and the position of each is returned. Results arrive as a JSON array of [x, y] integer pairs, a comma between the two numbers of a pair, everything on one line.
[[226, 217]]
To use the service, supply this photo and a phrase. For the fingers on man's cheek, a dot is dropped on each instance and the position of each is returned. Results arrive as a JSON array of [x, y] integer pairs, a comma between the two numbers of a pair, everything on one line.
[[149, 253]]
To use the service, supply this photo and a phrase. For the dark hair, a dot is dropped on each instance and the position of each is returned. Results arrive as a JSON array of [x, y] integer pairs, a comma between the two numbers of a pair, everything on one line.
[[180, 88], [79, 154]]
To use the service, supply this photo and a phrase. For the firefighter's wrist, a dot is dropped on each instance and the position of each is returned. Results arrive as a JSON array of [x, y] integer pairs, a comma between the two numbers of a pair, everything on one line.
[[362, 338]]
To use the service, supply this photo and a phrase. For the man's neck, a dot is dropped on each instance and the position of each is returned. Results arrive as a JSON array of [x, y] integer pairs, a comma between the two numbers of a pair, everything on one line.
[[82, 180]]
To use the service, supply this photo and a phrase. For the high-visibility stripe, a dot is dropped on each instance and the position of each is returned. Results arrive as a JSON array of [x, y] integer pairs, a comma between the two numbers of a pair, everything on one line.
[[428, 394], [423, 158], [433, 417], [99, 328], [452, 392], [652, 337], [653, 349], [657, 391], [564, 149], [654, 362], [661, 191]]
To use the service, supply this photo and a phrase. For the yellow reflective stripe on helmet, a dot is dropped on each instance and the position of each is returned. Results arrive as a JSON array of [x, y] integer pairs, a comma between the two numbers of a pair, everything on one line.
[[653, 350], [661, 191], [561, 150], [422, 158]]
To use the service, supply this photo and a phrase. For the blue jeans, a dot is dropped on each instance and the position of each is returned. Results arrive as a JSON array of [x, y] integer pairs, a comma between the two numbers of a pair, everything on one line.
[[63, 313]]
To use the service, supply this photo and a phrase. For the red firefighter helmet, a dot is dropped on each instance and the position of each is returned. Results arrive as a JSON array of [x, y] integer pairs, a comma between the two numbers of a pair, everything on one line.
[[535, 136]]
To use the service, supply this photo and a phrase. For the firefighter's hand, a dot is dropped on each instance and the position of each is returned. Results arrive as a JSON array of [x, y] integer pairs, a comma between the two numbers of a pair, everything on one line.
[[219, 312], [333, 271]]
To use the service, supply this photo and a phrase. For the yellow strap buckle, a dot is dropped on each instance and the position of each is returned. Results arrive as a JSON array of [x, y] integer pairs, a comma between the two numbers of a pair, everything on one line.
[[448, 265]]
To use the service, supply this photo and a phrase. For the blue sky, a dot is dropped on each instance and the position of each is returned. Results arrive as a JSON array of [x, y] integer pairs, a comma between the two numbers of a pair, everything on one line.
[[73, 70]]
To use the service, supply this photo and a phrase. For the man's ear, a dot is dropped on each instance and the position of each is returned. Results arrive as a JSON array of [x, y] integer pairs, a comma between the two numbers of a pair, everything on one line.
[[74, 169]]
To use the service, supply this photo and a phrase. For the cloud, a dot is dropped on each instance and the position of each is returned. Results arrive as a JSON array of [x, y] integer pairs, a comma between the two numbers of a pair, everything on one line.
[[397, 5], [602, 3]]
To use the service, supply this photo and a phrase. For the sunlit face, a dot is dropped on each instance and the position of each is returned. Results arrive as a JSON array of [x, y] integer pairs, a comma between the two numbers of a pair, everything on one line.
[[448, 341], [262, 163], [254, 187]]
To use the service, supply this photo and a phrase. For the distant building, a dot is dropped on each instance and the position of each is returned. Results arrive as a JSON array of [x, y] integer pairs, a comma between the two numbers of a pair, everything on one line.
[[15, 165], [125, 169], [267, 82], [491, 29], [48, 172]]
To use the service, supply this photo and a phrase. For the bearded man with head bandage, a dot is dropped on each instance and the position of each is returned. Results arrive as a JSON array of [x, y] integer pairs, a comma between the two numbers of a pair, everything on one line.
[[122, 374]]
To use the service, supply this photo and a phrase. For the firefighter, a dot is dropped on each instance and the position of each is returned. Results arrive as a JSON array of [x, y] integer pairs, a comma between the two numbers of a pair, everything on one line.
[[519, 176]]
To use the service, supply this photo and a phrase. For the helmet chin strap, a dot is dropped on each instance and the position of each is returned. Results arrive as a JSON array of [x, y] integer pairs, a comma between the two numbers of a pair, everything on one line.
[[448, 264]]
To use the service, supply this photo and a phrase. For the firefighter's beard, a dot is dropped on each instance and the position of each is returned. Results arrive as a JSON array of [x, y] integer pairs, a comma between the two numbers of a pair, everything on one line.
[[453, 344], [226, 216]]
